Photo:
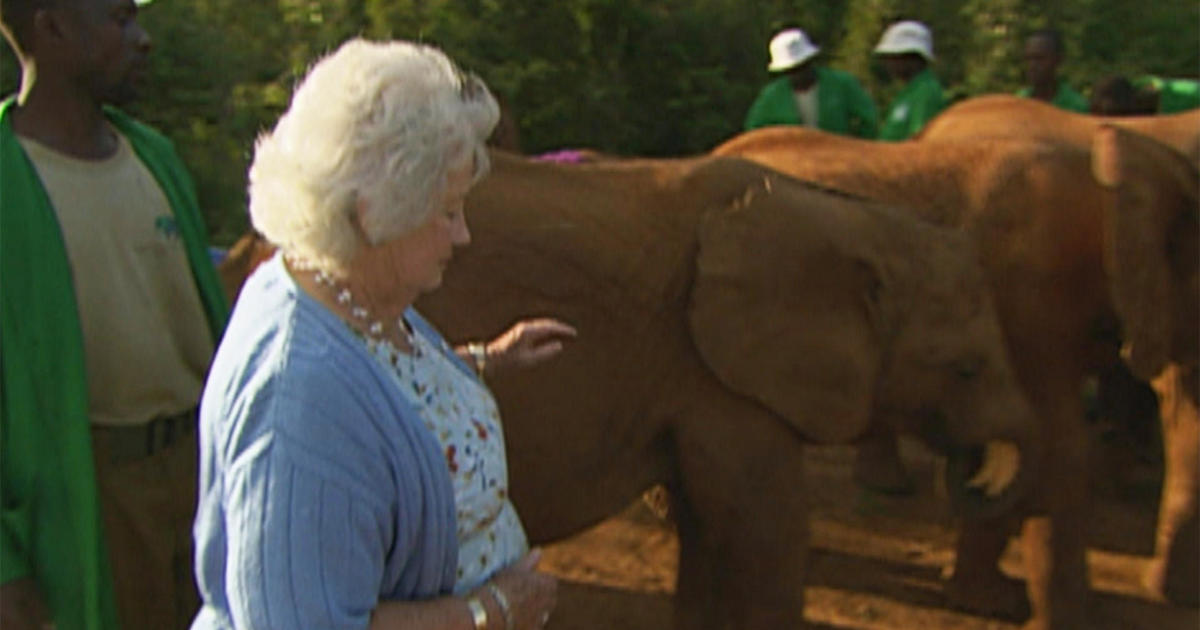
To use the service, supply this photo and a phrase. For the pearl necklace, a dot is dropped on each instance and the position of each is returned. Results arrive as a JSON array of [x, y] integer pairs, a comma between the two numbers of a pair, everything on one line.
[[375, 329]]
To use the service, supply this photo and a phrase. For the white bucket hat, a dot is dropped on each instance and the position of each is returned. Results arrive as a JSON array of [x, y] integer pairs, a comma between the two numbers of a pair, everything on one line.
[[906, 37], [789, 49]]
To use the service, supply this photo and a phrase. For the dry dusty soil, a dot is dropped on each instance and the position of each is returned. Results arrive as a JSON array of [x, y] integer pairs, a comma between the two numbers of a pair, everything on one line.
[[877, 561]]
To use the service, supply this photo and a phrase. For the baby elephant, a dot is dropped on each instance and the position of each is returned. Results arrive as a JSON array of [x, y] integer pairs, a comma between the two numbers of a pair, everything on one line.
[[727, 314]]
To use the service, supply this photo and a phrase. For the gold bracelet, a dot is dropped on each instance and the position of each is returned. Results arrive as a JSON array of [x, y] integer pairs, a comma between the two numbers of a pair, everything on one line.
[[478, 353], [479, 615], [504, 607]]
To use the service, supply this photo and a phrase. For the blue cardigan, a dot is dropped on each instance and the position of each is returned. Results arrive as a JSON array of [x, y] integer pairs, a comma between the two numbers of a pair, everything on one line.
[[322, 492]]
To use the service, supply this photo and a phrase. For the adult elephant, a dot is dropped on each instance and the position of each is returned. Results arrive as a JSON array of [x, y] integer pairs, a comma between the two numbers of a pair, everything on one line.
[[1161, 351], [1048, 230], [1010, 116]]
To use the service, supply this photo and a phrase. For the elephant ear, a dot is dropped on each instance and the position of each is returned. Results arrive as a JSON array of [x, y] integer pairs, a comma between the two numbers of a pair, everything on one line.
[[1150, 248], [781, 313]]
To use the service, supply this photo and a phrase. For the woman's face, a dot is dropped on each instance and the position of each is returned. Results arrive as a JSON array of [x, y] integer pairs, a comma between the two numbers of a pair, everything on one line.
[[416, 260]]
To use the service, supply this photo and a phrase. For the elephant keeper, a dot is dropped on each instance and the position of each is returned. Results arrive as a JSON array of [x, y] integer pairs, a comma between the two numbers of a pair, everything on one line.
[[805, 93], [352, 464]]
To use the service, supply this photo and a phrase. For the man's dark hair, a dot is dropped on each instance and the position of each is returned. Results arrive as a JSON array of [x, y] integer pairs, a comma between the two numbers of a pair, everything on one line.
[[1116, 96], [1051, 35]]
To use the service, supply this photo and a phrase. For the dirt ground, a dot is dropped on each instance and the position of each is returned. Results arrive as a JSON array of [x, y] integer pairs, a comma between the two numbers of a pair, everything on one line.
[[877, 561]]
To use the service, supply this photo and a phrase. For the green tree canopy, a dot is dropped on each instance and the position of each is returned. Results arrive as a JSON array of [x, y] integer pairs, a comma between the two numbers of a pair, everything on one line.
[[635, 77]]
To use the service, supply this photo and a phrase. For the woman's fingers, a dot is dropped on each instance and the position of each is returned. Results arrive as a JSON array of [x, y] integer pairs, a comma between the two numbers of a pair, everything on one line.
[[537, 333], [530, 342], [530, 561], [548, 326]]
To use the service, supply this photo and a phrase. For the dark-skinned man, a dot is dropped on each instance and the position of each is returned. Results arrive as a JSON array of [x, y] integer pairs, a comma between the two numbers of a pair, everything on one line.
[[806, 93], [906, 50], [110, 312], [1169, 96], [1043, 54]]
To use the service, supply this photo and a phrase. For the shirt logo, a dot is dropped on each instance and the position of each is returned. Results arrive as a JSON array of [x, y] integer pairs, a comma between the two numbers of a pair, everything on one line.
[[167, 227]]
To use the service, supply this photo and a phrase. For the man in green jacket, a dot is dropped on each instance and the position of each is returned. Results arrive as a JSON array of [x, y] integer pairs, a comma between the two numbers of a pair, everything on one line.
[[810, 95], [1146, 95], [109, 313], [906, 50], [1170, 95], [1043, 54]]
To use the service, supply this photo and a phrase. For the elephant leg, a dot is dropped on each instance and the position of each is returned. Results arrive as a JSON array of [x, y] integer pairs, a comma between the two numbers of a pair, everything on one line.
[[696, 587], [977, 585], [877, 463], [743, 521], [1180, 582], [1055, 545], [1129, 407], [1174, 572]]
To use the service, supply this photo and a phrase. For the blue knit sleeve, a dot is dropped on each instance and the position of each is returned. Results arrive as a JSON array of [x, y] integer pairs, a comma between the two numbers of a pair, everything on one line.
[[304, 549], [321, 491]]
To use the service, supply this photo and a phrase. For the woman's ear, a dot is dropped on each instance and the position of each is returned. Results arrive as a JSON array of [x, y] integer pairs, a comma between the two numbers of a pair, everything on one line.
[[360, 220]]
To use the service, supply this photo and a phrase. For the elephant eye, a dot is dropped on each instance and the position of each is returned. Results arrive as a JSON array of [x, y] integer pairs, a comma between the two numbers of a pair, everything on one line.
[[967, 369]]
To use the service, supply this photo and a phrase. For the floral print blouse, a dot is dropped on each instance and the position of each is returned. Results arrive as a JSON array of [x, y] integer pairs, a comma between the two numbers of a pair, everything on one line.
[[463, 416]]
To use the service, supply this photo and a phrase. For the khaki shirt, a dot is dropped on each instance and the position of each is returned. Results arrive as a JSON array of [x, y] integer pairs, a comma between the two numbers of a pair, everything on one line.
[[146, 340]]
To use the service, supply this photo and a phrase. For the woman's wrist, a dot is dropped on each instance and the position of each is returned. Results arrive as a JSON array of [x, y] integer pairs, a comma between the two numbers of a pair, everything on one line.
[[477, 350], [502, 602], [479, 614], [489, 608]]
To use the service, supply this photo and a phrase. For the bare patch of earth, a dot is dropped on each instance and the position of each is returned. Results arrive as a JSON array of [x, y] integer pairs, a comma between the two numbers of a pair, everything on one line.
[[877, 561]]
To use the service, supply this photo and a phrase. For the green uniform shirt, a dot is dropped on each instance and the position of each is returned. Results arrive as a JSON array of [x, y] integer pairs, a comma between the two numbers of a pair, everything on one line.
[[1174, 95], [1066, 97], [916, 105], [843, 106], [50, 528]]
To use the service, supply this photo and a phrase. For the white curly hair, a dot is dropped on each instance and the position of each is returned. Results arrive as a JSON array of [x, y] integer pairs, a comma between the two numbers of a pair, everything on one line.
[[374, 122]]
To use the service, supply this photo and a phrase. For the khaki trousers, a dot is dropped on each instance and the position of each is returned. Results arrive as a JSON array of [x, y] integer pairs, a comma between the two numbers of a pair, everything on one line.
[[148, 503]]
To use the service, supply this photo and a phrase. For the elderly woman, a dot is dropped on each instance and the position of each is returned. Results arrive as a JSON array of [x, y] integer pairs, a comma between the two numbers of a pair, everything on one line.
[[353, 470]]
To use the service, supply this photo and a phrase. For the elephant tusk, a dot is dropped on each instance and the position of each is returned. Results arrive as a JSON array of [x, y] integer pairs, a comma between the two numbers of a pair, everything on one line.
[[1001, 461]]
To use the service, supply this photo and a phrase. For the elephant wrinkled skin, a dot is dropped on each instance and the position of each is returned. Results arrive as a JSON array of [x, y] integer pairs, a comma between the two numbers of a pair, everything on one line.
[[1046, 229], [726, 314]]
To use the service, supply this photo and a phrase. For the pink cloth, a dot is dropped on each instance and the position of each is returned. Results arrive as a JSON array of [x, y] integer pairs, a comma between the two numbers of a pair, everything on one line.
[[563, 156]]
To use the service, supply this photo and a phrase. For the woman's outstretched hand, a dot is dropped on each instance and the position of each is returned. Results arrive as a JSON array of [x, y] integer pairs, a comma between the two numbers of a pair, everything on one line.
[[528, 343]]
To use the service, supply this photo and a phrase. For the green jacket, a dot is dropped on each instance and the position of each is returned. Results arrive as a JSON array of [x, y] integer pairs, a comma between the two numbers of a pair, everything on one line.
[[843, 106], [1066, 97], [50, 527], [1174, 95], [914, 106]]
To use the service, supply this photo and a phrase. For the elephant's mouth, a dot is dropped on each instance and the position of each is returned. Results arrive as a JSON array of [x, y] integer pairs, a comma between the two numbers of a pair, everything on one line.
[[986, 481]]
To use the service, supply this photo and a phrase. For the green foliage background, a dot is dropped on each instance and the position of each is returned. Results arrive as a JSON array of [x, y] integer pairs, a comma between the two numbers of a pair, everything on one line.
[[635, 77]]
